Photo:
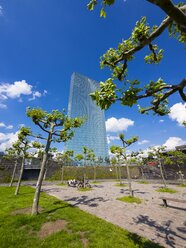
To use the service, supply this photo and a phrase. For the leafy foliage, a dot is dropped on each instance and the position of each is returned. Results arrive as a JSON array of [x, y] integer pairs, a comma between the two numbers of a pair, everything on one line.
[[116, 59], [48, 122]]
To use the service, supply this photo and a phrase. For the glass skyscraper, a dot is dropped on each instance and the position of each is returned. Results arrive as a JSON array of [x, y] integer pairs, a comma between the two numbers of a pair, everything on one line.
[[92, 133]]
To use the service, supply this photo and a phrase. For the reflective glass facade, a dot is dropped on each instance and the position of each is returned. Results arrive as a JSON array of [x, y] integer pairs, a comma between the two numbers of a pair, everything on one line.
[[92, 133]]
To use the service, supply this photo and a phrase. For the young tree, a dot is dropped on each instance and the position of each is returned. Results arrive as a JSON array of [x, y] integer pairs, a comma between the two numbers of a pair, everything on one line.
[[63, 158], [142, 36], [79, 157], [113, 161], [122, 152], [139, 159], [58, 127], [21, 146], [118, 151], [157, 153], [179, 158], [12, 153], [92, 159]]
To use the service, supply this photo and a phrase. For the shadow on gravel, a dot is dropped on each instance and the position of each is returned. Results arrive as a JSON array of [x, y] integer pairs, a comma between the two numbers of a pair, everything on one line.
[[53, 190], [135, 191], [97, 186], [164, 231], [84, 200]]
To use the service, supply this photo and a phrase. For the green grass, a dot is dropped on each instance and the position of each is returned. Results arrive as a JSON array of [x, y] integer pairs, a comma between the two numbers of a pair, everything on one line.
[[97, 182], [21, 230], [166, 190], [143, 182], [182, 185], [130, 199], [84, 189], [121, 185]]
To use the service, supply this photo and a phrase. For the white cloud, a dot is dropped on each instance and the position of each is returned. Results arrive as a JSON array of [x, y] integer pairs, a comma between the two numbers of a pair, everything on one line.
[[45, 92], [118, 125], [111, 138], [172, 142], [1, 10], [16, 90], [5, 126], [161, 120], [21, 125], [35, 95], [6, 140], [178, 112], [143, 142], [3, 106]]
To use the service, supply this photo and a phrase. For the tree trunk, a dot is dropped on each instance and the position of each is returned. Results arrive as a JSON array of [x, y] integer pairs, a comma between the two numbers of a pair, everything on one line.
[[129, 179], [20, 176], [35, 205], [94, 173], [162, 175], [62, 173], [119, 172], [84, 179], [13, 174], [116, 172], [142, 173], [180, 174]]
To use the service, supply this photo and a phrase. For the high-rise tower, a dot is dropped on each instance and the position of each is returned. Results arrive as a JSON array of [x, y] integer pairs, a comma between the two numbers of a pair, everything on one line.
[[92, 133]]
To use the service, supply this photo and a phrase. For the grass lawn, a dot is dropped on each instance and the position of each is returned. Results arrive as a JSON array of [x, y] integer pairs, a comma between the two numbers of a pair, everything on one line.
[[121, 184], [166, 190], [143, 182], [130, 199], [84, 189], [182, 185], [96, 182], [18, 229]]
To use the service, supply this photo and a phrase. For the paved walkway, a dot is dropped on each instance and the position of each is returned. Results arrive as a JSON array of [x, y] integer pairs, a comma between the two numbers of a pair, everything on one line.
[[166, 226]]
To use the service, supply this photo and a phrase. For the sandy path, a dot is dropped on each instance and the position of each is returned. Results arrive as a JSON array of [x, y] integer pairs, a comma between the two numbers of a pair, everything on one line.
[[166, 226]]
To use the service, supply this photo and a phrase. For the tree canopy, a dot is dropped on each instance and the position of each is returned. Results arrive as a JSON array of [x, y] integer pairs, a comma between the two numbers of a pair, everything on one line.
[[117, 59]]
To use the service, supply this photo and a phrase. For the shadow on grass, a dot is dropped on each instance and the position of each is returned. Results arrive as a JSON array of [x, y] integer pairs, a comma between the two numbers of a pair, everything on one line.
[[161, 230], [140, 242]]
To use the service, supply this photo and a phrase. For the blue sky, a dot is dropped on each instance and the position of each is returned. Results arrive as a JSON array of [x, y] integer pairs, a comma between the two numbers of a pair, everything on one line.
[[43, 42]]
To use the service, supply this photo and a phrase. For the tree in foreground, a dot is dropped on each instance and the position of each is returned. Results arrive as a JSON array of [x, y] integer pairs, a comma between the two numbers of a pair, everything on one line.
[[122, 152], [142, 37], [57, 127]]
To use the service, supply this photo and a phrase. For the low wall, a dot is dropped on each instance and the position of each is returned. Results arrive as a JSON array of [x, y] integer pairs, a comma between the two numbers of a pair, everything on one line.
[[102, 172]]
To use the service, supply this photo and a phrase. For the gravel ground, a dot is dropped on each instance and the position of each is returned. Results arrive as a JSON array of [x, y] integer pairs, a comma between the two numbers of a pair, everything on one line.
[[166, 226]]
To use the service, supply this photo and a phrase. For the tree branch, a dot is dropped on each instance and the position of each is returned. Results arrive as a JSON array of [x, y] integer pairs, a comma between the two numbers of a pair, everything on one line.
[[157, 101], [175, 13], [45, 130], [164, 24], [38, 137]]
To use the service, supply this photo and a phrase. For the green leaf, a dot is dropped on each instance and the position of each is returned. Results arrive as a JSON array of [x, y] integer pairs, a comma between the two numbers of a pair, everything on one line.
[[103, 13]]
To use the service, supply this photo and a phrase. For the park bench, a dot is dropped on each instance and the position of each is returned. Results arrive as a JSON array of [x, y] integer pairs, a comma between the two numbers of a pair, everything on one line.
[[165, 199]]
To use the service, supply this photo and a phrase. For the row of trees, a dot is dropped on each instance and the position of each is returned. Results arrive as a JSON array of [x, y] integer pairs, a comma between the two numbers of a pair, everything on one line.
[[56, 127], [157, 154]]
